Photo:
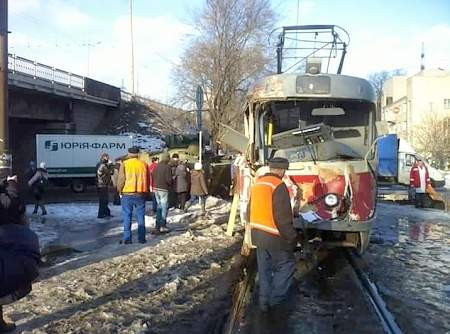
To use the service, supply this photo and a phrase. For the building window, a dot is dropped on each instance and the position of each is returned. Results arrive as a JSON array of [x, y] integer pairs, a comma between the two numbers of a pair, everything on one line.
[[446, 103], [389, 100]]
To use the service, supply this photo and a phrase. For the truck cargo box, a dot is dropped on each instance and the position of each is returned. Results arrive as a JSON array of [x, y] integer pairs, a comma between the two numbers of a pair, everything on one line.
[[74, 157], [388, 156]]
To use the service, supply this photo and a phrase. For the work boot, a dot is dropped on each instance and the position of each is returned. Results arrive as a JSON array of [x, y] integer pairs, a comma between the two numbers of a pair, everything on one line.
[[163, 230]]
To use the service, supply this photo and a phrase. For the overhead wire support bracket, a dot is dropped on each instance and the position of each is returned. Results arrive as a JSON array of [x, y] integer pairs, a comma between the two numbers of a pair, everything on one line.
[[296, 44]]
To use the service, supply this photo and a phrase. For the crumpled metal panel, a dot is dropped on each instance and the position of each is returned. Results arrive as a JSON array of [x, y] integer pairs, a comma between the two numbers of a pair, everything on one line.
[[315, 187]]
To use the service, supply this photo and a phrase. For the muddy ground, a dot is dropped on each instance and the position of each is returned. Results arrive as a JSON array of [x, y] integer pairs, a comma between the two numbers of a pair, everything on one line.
[[176, 283], [182, 282]]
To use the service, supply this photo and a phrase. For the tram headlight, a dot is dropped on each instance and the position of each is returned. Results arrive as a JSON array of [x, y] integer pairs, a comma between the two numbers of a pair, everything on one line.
[[331, 200]]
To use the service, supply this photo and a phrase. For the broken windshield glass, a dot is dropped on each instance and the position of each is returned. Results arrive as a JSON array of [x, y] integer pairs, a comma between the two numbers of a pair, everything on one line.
[[320, 130]]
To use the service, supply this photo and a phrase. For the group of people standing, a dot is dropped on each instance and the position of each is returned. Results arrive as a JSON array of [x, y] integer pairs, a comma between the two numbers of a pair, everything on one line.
[[168, 182]]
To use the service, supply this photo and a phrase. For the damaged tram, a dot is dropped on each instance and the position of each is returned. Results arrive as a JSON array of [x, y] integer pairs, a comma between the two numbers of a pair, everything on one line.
[[324, 124]]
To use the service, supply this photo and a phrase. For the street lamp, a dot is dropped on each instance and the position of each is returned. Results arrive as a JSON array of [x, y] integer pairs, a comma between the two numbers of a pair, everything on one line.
[[89, 45]]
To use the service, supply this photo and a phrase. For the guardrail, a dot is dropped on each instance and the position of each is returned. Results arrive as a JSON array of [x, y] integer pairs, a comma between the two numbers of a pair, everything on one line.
[[45, 72]]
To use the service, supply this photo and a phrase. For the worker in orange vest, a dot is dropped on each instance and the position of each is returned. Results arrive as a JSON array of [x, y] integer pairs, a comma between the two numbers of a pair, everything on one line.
[[132, 183], [273, 233]]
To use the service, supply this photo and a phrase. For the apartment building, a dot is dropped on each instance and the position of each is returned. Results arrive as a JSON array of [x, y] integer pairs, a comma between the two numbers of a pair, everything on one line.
[[409, 102]]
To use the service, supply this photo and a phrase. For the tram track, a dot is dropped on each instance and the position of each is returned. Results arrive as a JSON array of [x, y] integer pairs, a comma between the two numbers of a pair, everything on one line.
[[320, 303], [384, 315]]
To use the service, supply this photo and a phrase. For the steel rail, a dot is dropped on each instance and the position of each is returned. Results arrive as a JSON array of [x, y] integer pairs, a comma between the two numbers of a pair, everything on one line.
[[386, 318]]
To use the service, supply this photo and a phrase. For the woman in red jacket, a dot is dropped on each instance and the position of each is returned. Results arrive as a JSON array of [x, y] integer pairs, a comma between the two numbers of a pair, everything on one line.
[[419, 180]]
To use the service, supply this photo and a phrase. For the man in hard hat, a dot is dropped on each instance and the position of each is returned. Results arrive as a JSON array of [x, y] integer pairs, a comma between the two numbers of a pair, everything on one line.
[[273, 234], [132, 183]]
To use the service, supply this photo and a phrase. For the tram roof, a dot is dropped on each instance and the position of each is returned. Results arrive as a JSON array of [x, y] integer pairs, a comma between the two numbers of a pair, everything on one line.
[[317, 86]]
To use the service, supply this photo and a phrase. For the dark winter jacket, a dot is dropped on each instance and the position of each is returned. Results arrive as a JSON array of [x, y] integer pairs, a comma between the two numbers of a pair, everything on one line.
[[19, 257], [12, 208], [39, 180], [104, 174], [182, 178], [30, 173], [19, 246], [282, 215], [198, 183], [162, 177], [173, 165]]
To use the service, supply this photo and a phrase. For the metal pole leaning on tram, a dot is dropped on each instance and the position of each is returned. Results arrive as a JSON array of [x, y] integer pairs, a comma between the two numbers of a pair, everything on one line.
[[5, 156]]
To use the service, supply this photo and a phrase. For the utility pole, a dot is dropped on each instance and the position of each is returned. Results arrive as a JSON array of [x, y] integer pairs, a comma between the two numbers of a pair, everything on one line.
[[132, 47], [5, 156]]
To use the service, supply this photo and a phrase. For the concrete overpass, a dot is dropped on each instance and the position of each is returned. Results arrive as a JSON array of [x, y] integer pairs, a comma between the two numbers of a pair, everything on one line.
[[44, 99]]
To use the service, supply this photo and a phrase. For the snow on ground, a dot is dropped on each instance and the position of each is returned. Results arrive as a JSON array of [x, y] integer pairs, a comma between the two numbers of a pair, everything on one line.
[[146, 142], [172, 284], [142, 124]]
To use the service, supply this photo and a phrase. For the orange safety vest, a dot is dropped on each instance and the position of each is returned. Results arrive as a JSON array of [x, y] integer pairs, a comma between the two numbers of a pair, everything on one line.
[[136, 177], [261, 210]]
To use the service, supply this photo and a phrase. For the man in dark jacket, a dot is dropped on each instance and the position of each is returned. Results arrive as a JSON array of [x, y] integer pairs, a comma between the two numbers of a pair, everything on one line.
[[38, 183], [273, 234], [182, 180], [19, 249], [173, 164], [162, 184], [105, 170]]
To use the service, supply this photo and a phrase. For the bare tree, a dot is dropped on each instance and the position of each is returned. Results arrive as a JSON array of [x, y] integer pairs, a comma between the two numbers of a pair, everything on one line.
[[226, 56], [432, 137], [378, 79]]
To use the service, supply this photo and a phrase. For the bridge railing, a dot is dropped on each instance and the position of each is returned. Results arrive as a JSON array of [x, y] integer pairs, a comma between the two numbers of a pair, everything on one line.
[[41, 71]]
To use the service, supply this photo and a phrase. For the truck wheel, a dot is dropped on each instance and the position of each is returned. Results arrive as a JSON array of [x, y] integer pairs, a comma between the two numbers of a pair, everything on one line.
[[78, 186]]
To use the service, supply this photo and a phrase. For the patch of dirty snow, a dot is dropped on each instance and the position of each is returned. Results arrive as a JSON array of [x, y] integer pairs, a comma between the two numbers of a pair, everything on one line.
[[146, 142], [142, 125]]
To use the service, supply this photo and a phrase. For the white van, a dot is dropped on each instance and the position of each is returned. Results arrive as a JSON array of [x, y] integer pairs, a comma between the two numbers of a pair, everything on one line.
[[407, 157]]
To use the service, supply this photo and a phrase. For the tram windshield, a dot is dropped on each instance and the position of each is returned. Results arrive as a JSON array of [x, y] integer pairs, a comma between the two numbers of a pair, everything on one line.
[[318, 130]]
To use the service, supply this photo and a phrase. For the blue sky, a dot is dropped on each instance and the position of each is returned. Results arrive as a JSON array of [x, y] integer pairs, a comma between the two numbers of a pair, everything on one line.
[[92, 38]]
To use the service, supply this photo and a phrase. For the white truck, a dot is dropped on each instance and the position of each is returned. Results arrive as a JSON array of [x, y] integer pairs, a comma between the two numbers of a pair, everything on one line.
[[396, 158], [71, 159]]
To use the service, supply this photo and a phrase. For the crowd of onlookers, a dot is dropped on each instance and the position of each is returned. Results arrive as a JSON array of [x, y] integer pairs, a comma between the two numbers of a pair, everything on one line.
[[167, 182]]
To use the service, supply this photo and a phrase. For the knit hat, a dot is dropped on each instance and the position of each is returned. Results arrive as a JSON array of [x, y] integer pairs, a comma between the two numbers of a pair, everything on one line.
[[198, 166], [164, 156], [133, 150], [279, 163]]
